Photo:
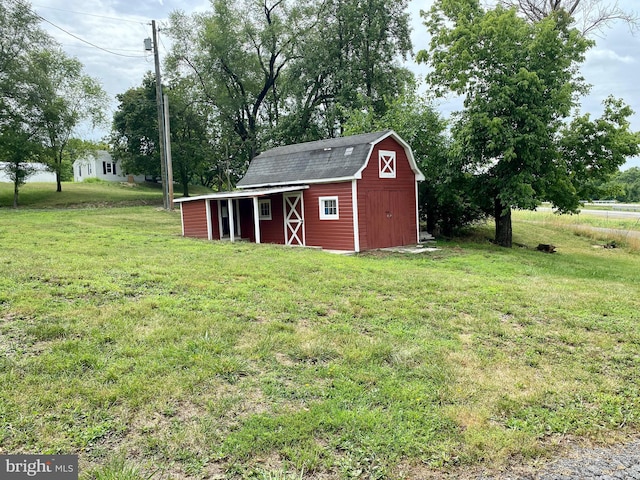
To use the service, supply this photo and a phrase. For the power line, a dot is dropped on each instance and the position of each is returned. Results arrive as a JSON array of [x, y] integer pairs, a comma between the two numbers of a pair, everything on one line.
[[75, 36], [161, 42], [112, 50], [86, 41], [90, 14], [139, 23]]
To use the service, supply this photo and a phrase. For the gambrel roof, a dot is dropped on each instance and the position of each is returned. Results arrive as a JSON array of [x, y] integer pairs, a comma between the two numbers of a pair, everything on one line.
[[335, 159]]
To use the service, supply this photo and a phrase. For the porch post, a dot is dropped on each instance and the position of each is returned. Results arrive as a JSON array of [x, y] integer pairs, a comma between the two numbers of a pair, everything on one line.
[[256, 219], [232, 226], [220, 229], [207, 204]]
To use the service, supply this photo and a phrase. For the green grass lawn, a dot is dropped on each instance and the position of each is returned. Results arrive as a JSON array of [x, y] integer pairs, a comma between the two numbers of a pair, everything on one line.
[[156, 356], [583, 219], [87, 194], [601, 229]]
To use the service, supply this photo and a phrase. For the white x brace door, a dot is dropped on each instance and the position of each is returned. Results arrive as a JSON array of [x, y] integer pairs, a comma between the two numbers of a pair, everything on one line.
[[293, 219]]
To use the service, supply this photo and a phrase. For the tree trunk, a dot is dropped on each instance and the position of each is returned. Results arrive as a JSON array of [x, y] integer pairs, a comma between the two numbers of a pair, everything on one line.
[[502, 216], [59, 182], [185, 183], [16, 187], [432, 219]]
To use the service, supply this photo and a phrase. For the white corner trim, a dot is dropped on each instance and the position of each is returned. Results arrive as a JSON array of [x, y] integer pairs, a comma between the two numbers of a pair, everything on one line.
[[207, 204], [417, 216], [219, 219], [182, 219], [256, 217], [356, 223]]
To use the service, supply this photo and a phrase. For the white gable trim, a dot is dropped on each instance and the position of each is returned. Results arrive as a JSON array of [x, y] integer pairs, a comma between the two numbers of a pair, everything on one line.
[[407, 150], [301, 182]]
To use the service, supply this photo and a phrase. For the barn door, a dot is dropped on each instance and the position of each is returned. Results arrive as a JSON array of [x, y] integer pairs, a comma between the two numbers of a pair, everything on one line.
[[389, 219], [293, 219]]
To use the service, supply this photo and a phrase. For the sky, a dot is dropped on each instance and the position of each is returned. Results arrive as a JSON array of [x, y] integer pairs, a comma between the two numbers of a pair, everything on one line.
[[117, 59]]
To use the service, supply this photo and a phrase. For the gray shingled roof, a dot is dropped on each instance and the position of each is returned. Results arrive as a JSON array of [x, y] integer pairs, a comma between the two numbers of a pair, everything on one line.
[[311, 161]]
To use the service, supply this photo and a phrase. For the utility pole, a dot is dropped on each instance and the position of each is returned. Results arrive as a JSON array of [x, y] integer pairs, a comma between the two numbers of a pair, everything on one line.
[[167, 132], [161, 132]]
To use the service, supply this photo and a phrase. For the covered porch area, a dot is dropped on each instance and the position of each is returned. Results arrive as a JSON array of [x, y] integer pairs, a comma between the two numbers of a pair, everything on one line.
[[267, 215]]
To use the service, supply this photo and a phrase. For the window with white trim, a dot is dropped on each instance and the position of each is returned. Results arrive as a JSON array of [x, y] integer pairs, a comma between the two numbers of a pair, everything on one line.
[[329, 208], [264, 207], [387, 164]]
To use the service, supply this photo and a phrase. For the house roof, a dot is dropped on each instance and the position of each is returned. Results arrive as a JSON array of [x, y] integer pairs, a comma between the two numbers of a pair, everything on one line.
[[334, 159]]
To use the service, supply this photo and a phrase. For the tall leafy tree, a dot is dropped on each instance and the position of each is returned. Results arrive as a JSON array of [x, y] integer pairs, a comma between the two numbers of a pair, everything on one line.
[[349, 60], [44, 94], [18, 150], [194, 147], [21, 42], [520, 81], [282, 71], [237, 53], [589, 16], [20, 37], [592, 150], [67, 97], [625, 186], [134, 134], [193, 151]]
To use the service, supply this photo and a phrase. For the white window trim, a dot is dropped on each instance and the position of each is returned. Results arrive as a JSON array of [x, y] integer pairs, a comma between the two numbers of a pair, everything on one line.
[[325, 216], [383, 164], [266, 201]]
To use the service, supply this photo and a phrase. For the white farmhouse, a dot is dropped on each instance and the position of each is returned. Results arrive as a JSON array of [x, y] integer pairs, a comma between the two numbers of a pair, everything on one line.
[[41, 174], [104, 167]]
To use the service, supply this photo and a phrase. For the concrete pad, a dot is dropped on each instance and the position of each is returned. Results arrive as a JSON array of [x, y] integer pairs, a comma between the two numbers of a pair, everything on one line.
[[410, 249]]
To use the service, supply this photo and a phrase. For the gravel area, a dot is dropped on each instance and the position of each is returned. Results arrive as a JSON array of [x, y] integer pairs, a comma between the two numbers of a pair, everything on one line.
[[621, 462]]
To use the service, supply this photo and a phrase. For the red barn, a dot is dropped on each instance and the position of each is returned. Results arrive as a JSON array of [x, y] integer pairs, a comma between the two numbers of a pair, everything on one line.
[[350, 193]]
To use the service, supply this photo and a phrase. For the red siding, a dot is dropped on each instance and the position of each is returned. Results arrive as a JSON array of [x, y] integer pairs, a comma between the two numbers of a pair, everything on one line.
[[272, 231], [194, 217], [386, 210], [215, 222], [329, 234], [387, 206]]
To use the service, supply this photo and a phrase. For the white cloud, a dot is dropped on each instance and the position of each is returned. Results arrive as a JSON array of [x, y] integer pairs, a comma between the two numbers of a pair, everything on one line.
[[607, 55]]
